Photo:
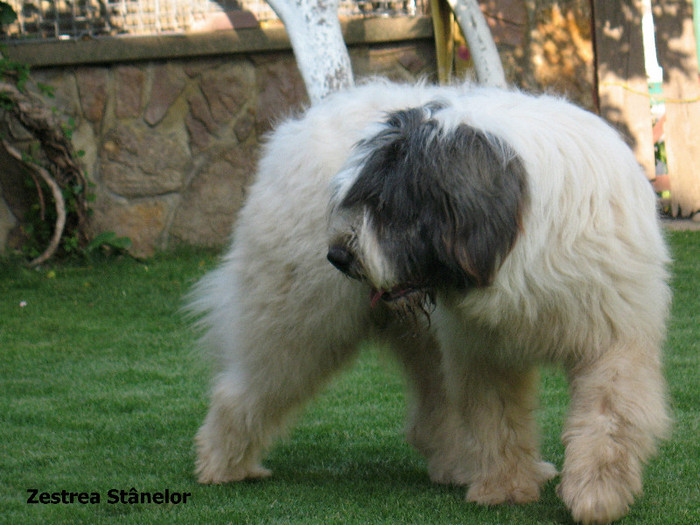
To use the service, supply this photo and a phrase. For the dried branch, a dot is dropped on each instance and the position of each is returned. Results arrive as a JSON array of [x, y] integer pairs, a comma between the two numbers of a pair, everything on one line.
[[59, 154], [58, 200]]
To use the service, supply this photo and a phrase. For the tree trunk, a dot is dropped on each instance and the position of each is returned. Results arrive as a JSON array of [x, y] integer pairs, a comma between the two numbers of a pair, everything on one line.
[[487, 62], [317, 40], [622, 79]]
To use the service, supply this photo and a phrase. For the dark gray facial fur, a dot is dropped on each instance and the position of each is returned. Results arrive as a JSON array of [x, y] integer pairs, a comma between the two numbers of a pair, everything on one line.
[[446, 206]]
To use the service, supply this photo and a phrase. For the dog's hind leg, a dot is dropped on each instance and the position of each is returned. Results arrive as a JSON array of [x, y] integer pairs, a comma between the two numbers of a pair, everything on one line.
[[231, 440], [617, 413], [250, 405], [277, 345]]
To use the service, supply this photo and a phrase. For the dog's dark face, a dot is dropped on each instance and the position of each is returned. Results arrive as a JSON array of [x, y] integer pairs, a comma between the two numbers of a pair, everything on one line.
[[422, 207]]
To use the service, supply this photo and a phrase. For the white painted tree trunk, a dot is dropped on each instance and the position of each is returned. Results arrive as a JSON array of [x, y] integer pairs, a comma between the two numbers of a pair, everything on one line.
[[317, 40], [487, 62]]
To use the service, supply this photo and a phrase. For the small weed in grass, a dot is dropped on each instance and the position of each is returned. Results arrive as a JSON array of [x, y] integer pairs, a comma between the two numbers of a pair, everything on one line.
[[100, 389]]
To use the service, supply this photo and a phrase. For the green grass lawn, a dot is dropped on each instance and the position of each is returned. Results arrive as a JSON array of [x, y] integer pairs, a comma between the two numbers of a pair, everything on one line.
[[100, 389]]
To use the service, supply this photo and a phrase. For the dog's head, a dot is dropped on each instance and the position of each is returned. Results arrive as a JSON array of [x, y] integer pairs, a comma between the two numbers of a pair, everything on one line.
[[423, 206]]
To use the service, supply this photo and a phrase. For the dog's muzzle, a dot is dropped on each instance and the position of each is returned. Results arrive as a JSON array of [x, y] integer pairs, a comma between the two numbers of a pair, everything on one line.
[[403, 297]]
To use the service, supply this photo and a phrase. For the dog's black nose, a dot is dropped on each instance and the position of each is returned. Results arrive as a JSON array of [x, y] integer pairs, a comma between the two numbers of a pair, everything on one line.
[[340, 258]]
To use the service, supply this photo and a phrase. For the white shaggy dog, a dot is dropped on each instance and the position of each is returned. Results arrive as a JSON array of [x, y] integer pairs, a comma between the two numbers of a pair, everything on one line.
[[500, 231]]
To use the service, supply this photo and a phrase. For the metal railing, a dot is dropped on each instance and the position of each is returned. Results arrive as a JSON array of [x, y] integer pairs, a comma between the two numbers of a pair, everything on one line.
[[66, 19]]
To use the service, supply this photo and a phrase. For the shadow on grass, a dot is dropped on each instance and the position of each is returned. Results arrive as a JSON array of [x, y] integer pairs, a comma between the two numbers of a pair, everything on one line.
[[363, 484]]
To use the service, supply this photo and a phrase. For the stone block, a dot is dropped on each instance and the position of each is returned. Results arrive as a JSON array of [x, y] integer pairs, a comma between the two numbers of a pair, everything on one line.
[[196, 68], [136, 162], [168, 84], [85, 141], [144, 221], [280, 90], [226, 89], [129, 87], [92, 89], [211, 202], [65, 91], [417, 59], [244, 125], [199, 122]]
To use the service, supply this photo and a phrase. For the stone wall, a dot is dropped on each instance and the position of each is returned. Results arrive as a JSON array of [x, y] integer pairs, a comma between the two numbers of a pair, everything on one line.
[[171, 143]]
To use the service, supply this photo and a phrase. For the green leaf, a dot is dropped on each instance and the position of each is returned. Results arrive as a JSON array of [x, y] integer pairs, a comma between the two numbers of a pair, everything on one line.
[[108, 239], [46, 90], [7, 14]]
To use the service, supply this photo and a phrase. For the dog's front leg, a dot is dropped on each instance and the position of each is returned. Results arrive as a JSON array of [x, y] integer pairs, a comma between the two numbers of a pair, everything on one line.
[[499, 406], [502, 444], [434, 426], [497, 403], [617, 413]]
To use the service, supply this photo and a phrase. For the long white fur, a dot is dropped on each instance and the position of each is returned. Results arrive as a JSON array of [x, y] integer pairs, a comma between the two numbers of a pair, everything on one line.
[[584, 287]]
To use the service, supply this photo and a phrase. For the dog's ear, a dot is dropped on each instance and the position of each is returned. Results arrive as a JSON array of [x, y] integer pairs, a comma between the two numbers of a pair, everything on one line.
[[485, 208]]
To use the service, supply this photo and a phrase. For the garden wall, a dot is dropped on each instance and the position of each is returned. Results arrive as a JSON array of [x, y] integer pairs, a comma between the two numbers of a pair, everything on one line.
[[171, 126]]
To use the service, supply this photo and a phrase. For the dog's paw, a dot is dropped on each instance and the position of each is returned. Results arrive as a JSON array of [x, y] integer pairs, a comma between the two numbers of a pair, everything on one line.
[[448, 476], [214, 466], [594, 500], [216, 476], [492, 492], [598, 485], [522, 486]]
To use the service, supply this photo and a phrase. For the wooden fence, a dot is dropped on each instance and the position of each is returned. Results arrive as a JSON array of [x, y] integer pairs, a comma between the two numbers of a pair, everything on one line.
[[624, 94]]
